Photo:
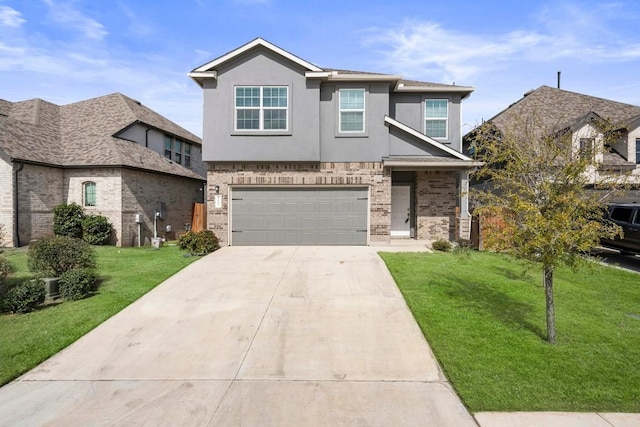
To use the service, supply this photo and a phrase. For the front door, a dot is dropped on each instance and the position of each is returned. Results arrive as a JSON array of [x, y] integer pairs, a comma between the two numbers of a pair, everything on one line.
[[401, 210]]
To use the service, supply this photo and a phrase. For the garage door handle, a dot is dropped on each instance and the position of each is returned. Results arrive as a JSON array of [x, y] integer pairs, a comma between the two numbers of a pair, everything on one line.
[[236, 231], [362, 198], [361, 231], [233, 198]]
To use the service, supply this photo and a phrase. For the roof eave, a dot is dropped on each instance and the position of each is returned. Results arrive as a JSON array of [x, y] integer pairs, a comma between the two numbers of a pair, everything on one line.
[[464, 90], [410, 164], [338, 76]]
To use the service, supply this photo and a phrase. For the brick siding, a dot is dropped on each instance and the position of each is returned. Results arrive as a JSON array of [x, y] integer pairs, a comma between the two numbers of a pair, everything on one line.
[[436, 195]]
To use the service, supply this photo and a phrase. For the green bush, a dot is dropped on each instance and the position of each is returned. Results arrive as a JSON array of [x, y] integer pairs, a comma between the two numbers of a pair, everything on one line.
[[67, 220], [77, 284], [52, 256], [6, 269], [96, 229], [199, 243], [442, 245], [25, 297]]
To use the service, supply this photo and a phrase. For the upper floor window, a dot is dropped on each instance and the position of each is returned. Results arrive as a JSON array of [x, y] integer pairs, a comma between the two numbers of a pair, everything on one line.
[[586, 150], [436, 113], [177, 150], [89, 194], [352, 110], [261, 107], [638, 151]]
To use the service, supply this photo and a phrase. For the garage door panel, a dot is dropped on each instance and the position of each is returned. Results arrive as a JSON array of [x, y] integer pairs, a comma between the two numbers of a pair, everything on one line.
[[270, 216]]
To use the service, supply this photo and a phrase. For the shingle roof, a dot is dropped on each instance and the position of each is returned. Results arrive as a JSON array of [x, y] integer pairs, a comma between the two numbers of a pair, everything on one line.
[[558, 109], [82, 134]]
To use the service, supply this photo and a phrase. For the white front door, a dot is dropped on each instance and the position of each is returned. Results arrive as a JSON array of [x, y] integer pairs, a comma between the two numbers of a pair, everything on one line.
[[401, 211]]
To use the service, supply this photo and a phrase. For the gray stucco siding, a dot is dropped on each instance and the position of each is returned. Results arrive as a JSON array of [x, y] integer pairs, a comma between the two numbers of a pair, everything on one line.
[[409, 109], [300, 142], [401, 144], [371, 145]]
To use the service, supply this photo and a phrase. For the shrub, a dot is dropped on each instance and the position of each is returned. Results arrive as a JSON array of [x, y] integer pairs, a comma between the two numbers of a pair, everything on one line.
[[96, 229], [24, 297], [199, 243], [6, 269], [441, 245], [67, 220], [77, 284], [52, 256]]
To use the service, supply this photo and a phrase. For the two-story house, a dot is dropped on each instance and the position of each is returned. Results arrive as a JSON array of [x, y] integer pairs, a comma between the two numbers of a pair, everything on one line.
[[111, 154], [558, 111], [299, 154]]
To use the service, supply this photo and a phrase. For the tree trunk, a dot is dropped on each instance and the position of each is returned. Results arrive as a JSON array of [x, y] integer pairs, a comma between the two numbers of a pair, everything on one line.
[[551, 311]]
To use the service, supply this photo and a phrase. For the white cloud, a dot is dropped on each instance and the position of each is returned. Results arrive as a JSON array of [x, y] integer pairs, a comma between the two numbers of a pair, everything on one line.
[[419, 48], [10, 17], [65, 13]]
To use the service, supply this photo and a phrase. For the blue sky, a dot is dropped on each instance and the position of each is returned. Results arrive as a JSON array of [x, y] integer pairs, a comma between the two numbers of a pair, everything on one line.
[[69, 50]]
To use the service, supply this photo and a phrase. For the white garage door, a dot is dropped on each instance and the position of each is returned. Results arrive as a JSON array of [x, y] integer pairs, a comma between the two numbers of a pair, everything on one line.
[[297, 216]]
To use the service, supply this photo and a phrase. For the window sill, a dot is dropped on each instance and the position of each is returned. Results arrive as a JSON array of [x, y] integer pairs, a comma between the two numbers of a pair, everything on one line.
[[262, 133], [352, 135]]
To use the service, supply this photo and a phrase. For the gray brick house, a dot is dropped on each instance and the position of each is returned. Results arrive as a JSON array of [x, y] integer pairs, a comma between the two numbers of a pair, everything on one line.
[[111, 154], [299, 154]]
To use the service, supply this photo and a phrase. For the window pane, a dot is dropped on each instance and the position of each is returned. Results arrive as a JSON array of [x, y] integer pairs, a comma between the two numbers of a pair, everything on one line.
[[168, 146], [178, 146], [274, 97], [247, 96], [436, 108], [352, 99], [638, 150], [351, 122], [89, 193], [178, 157], [275, 119], [187, 161], [248, 119], [187, 148], [436, 128]]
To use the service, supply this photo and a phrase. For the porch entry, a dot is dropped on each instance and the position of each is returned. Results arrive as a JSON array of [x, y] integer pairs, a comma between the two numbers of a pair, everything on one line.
[[401, 210]]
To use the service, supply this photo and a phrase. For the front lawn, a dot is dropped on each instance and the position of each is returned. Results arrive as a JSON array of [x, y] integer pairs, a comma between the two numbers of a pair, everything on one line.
[[484, 318], [125, 275]]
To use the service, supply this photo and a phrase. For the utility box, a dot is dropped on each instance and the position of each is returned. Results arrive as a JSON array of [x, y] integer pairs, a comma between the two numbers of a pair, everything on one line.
[[139, 219]]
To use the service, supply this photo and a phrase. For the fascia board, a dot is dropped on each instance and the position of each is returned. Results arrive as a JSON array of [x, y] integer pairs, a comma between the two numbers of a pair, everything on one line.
[[426, 139], [428, 165]]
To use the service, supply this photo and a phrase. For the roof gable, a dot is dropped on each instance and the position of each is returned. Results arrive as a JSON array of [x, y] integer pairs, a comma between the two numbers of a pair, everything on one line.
[[209, 70]]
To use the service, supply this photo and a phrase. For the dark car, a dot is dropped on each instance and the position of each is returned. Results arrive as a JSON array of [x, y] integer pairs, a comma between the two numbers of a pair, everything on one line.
[[627, 216]]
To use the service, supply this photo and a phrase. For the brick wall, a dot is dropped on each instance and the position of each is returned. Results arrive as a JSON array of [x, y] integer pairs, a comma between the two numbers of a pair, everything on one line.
[[108, 194], [436, 196], [368, 174], [40, 189], [6, 203], [142, 193]]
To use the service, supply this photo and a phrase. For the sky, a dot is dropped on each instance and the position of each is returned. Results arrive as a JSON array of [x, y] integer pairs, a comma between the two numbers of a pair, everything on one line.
[[65, 51]]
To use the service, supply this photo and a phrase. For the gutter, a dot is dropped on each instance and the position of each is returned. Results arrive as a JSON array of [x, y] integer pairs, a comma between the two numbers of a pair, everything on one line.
[[16, 219]]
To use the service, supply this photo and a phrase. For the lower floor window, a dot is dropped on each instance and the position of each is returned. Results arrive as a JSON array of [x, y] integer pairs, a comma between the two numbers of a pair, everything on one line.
[[89, 193]]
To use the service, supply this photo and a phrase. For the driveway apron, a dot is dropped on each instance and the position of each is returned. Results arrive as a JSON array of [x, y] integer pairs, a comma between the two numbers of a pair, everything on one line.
[[249, 336]]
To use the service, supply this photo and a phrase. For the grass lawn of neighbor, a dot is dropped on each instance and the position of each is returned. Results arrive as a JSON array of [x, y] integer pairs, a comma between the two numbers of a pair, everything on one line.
[[125, 274], [483, 315]]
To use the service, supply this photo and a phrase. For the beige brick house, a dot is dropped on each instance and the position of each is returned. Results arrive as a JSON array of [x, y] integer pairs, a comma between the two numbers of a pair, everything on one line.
[[112, 155], [299, 154]]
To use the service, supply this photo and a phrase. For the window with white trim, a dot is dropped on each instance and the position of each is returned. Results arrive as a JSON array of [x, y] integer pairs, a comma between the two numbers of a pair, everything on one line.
[[352, 110], [261, 108], [89, 194], [436, 122]]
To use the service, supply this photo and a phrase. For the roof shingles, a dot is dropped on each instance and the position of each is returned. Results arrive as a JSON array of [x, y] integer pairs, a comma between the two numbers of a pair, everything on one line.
[[82, 134]]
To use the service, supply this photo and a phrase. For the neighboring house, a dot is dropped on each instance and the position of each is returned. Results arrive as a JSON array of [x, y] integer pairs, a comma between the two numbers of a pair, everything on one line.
[[560, 111], [112, 155], [299, 154]]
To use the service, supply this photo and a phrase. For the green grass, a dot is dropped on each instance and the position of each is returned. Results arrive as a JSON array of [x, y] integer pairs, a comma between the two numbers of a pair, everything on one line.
[[484, 318], [125, 274]]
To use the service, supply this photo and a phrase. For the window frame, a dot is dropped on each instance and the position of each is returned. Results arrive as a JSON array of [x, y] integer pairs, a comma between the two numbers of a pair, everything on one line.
[[178, 151], [363, 110], [427, 119], [85, 186], [637, 151], [261, 108]]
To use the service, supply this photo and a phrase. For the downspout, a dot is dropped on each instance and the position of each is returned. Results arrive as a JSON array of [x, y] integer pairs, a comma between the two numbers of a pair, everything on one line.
[[146, 137], [16, 228]]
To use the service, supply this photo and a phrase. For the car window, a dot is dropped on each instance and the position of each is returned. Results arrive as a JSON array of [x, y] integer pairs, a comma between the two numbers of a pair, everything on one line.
[[621, 214], [636, 217]]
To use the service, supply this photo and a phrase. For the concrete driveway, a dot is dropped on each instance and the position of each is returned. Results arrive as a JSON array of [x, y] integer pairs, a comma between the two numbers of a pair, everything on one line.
[[248, 336]]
